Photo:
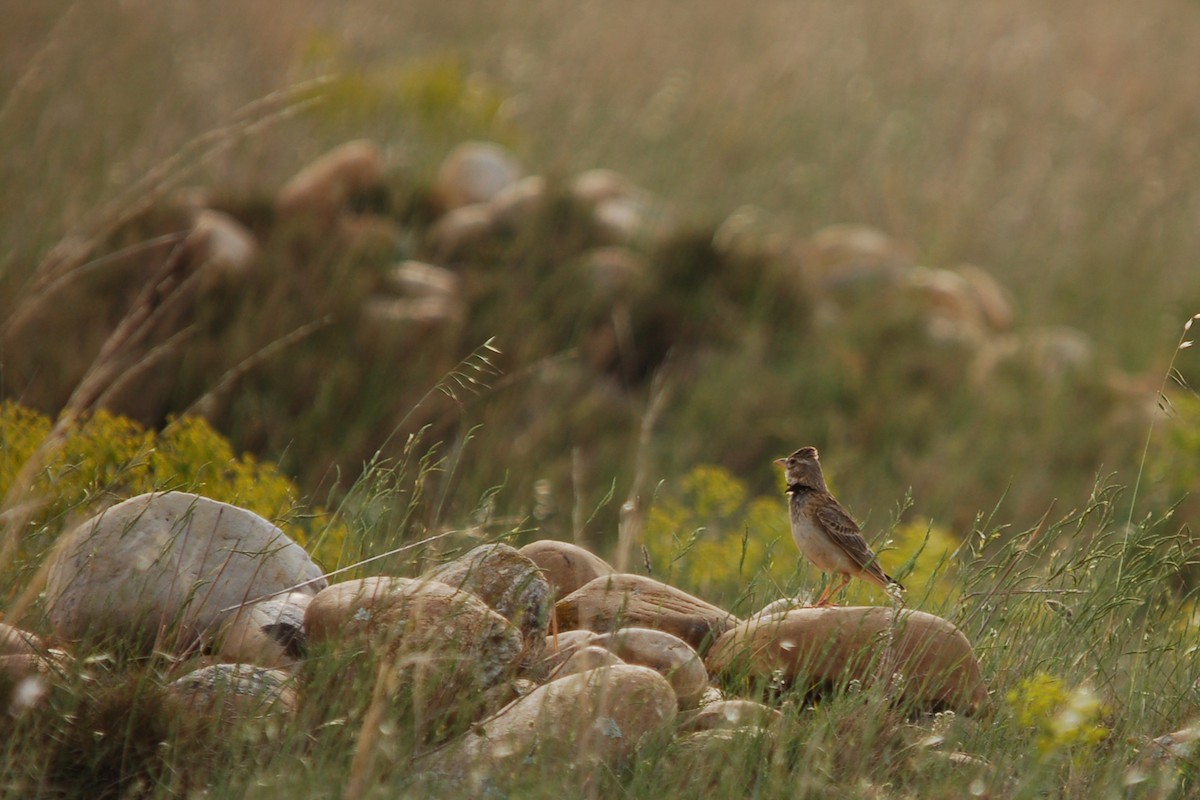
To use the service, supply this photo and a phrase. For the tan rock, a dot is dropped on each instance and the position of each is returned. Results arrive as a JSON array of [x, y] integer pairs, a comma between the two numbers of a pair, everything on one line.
[[474, 172], [235, 691], [369, 238], [458, 232], [418, 279], [595, 717], [14, 641], [16, 666], [566, 566], [597, 185], [994, 300], [509, 582], [325, 186], [561, 646], [929, 661], [422, 314], [168, 569], [416, 620], [668, 655], [517, 205], [584, 658], [222, 244], [615, 274], [623, 600], [847, 254], [726, 714], [267, 634]]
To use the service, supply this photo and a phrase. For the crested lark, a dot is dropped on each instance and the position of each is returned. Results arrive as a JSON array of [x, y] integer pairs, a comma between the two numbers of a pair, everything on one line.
[[826, 534]]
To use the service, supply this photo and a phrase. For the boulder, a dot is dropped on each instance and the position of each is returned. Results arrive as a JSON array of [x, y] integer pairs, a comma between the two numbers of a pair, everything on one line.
[[268, 634], [597, 185], [474, 172], [418, 279], [168, 569], [234, 691], [728, 714], [566, 566], [222, 244], [927, 660], [458, 232], [849, 254], [624, 600], [473, 646], [668, 655], [515, 206], [325, 187], [561, 646], [584, 658], [509, 582], [597, 717], [14, 641]]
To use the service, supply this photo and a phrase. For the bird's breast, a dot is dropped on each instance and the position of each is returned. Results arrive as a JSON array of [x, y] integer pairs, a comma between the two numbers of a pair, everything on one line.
[[817, 545]]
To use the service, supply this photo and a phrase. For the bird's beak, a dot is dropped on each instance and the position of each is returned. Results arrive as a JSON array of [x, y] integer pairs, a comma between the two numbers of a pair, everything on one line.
[[780, 461]]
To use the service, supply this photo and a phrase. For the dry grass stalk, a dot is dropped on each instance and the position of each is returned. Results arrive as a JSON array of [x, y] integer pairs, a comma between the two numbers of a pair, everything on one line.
[[67, 260], [633, 512]]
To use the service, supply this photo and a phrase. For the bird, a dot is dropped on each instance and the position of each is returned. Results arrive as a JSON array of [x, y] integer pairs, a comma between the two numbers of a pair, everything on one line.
[[824, 531]]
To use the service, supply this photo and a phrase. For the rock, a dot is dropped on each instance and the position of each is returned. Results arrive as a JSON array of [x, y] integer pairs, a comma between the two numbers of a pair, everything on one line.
[[728, 714], [16, 666], [476, 646], [595, 717], [668, 655], [268, 634], [458, 232], [615, 274], [619, 600], [715, 742], [474, 172], [515, 206], [623, 220], [431, 297], [369, 238], [418, 279], [584, 658], [703, 759], [222, 244], [234, 691], [14, 641], [948, 305], [597, 185], [930, 660], [995, 303], [849, 254], [168, 569], [395, 314], [325, 187], [781, 605], [509, 582], [566, 566], [559, 647]]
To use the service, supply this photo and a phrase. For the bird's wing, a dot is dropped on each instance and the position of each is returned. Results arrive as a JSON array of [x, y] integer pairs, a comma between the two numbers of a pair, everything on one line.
[[847, 535]]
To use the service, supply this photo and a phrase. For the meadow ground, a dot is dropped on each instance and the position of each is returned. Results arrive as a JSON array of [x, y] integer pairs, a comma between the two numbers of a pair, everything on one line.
[[1049, 144]]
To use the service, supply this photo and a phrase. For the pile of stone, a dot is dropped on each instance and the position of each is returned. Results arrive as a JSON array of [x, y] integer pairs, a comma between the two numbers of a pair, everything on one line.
[[547, 650]]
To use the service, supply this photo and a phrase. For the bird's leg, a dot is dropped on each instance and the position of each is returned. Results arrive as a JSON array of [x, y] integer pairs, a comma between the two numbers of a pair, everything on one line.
[[831, 590]]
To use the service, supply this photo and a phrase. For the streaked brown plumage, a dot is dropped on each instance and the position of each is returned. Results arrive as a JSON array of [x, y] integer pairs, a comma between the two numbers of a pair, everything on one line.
[[824, 531]]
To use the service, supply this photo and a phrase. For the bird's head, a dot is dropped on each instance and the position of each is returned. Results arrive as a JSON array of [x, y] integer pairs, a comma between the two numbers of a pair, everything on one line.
[[803, 468]]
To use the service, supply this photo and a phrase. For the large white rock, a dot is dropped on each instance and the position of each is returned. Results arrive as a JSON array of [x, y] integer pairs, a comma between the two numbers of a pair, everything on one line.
[[164, 569]]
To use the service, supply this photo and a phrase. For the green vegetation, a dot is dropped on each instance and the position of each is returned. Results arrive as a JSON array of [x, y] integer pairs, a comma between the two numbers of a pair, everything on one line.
[[994, 472]]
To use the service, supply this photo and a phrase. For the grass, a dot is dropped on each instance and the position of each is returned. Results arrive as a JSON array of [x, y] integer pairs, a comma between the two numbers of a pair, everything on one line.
[[1046, 143]]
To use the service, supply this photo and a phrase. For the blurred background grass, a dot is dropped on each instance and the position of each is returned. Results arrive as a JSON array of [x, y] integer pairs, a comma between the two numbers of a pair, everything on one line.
[[1050, 144]]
